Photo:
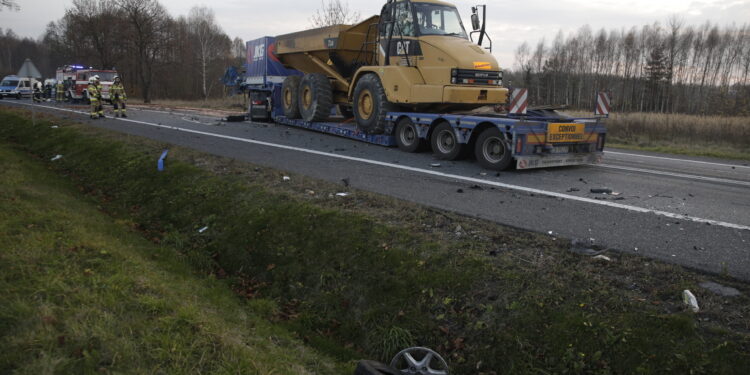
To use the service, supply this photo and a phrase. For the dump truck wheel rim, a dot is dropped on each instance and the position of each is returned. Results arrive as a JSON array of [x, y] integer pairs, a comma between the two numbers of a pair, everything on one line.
[[288, 98], [493, 149], [365, 104], [307, 97], [446, 141]]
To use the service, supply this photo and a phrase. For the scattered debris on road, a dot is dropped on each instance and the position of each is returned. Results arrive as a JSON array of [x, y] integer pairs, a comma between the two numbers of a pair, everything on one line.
[[571, 190], [601, 191], [435, 165]]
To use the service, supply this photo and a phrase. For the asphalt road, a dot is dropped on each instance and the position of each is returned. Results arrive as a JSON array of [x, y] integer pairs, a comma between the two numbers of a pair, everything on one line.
[[689, 211]]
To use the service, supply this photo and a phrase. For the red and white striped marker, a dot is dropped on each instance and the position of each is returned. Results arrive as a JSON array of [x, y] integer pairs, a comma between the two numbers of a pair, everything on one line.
[[603, 105], [519, 101]]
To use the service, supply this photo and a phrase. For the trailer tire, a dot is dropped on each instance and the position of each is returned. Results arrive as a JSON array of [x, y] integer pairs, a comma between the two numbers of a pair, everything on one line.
[[445, 143], [407, 136], [492, 150], [315, 97], [371, 104], [290, 96]]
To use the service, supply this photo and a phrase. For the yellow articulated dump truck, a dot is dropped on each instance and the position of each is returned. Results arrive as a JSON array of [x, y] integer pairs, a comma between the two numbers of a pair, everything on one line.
[[415, 56]]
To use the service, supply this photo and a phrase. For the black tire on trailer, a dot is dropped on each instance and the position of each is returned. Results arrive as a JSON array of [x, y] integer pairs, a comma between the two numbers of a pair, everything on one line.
[[445, 144], [492, 150], [315, 97], [407, 136], [346, 111], [290, 96], [371, 104]]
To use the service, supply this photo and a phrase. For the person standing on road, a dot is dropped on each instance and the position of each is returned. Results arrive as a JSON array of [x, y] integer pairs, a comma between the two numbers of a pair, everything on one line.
[[100, 107], [37, 92], [93, 92], [118, 97], [59, 91]]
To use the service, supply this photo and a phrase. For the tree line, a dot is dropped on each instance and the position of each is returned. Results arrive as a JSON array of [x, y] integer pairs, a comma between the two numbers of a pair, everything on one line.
[[157, 55], [674, 68]]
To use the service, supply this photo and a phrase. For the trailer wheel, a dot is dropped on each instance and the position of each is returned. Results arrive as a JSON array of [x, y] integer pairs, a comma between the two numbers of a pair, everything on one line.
[[445, 144], [315, 97], [407, 137], [492, 150], [290, 96], [371, 104]]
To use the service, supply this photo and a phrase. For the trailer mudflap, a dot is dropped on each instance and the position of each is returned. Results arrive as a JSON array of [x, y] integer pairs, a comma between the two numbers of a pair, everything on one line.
[[545, 161]]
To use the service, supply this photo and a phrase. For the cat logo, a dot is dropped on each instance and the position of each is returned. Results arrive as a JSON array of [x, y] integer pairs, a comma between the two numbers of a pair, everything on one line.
[[402, 48], [482, 65]]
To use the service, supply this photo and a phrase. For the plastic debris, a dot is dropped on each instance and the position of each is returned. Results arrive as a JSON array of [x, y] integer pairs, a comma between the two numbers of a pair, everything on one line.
[[435, 165], [203, 229], [57, 157], [342, 194], [603, 257], [54, 126], [310, 192], [689, 299], [286, 178], [483, 174]]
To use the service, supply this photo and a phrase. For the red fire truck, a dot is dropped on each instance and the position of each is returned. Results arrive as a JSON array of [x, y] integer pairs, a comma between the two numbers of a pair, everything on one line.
[[76, 81]]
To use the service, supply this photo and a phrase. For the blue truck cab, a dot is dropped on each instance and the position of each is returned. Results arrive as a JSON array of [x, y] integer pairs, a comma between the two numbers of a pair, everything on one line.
[[263, 78], [15, 87]]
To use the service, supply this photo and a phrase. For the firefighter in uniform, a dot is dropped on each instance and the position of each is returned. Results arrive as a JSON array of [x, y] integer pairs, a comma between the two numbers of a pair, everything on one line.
[[37, 92], [118, 97], [59, 91], [100, 107], [94, 95]]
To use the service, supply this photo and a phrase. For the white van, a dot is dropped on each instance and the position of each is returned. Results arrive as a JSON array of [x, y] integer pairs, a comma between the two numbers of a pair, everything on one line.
[[16, 87]]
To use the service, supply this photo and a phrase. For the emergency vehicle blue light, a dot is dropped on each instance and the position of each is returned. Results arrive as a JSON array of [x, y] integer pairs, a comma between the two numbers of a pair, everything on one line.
[[77, 66]]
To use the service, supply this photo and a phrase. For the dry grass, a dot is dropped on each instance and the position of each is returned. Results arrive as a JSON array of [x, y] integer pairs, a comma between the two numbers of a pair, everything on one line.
[[689, 134]]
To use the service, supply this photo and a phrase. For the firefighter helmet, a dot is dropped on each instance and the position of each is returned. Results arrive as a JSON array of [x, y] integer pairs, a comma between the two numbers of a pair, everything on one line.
[[92, 79], [117, 78], [96, 77]]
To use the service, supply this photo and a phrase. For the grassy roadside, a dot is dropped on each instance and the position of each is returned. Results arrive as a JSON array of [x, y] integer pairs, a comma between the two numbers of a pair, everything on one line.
[[712, 136], [490, 298], [82, 293]]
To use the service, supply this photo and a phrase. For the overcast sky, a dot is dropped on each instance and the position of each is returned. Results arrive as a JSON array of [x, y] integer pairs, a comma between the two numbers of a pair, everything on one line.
[[510, 23]]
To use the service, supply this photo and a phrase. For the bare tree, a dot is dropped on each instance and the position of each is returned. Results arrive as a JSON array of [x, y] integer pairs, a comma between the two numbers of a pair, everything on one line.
[[10, 4], [334, 12], [203, 27], [147, 21]]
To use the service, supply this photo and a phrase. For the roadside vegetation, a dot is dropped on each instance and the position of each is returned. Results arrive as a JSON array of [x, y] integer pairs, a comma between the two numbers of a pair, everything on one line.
[[365, 276], [84, 293], [713, 136]]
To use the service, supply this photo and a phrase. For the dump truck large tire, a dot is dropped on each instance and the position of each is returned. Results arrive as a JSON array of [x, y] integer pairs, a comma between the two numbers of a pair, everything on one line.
[[315, 97], [290, 97], [371, 104]]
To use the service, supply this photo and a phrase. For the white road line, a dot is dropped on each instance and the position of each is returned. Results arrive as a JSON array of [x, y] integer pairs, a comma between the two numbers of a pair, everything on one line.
[[675, 159], [672, 174], [445, 175]]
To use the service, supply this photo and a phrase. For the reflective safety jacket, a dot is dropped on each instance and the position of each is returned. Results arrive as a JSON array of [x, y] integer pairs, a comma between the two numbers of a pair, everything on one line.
[[117, 92], [93, 90]]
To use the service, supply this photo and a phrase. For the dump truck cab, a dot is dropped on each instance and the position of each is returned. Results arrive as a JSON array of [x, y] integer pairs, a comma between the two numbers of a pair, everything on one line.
[[449, 70], [415, 55]]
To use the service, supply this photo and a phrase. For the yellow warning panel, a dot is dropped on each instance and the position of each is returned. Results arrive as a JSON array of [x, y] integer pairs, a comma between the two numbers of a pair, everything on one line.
[[558, 133], [482, 65]]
